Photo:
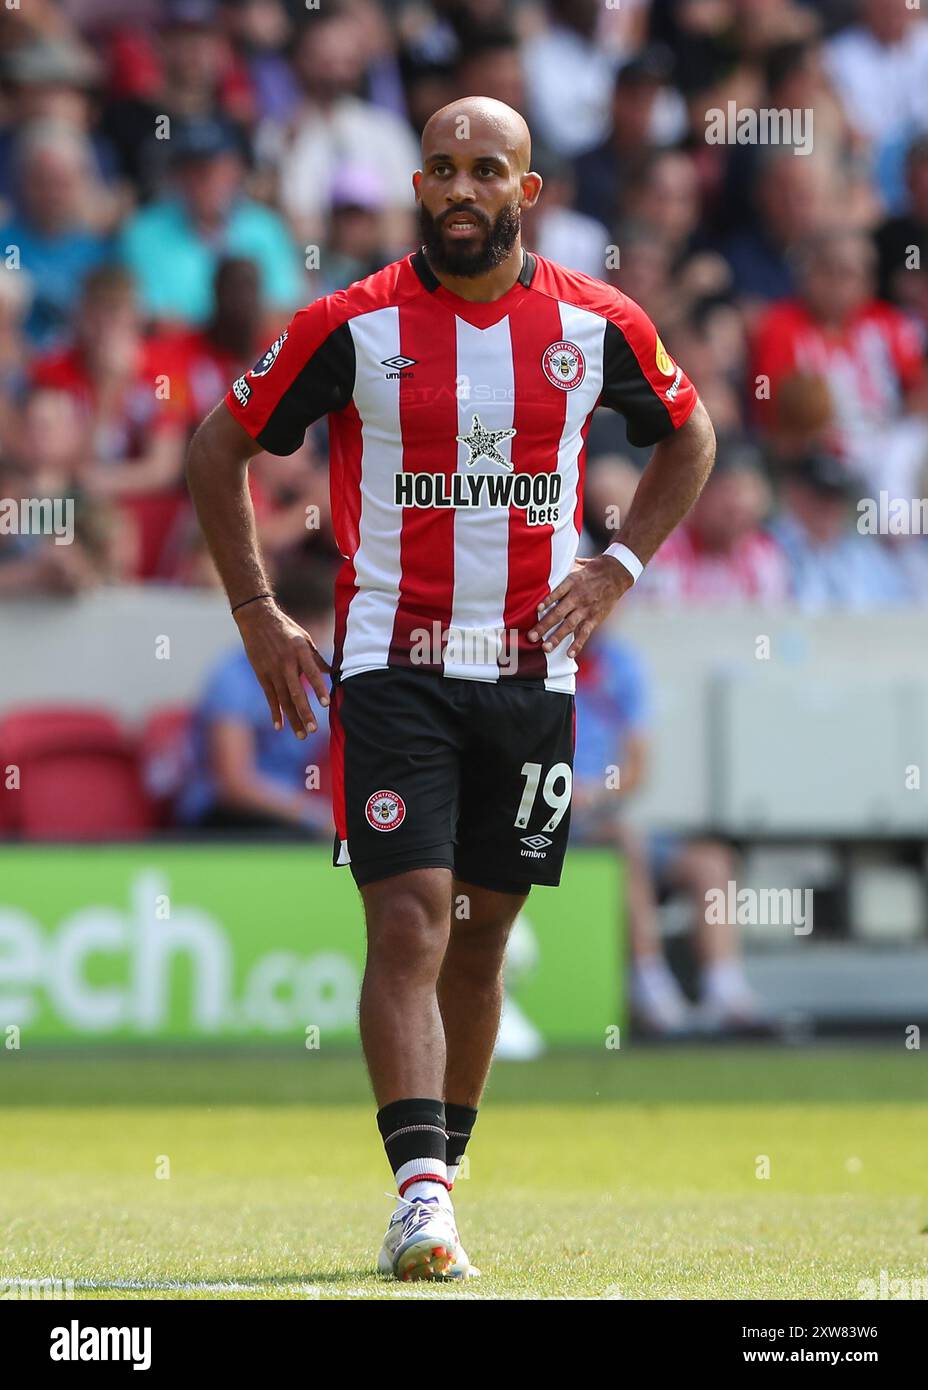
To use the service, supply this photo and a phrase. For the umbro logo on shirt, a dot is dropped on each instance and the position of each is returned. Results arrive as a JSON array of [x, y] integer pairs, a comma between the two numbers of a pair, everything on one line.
[[398, 367]]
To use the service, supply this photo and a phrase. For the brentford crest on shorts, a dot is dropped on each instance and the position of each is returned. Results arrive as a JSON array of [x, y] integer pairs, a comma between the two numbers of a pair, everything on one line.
[[457, 442], [385, 810]]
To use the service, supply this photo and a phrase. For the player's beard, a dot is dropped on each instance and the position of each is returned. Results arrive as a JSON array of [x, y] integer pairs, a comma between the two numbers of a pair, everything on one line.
[[468, 261]]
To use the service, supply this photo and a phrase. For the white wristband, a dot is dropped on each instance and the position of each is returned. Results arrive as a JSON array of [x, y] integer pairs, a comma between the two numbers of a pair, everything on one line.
[[627, 558]]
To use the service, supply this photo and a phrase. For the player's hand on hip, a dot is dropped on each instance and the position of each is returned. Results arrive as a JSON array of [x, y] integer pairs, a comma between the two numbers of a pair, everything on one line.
[[282, 654], [580, 603]]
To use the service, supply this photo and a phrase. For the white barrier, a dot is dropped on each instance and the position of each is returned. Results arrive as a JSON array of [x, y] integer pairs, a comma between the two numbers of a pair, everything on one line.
[[765, 723]]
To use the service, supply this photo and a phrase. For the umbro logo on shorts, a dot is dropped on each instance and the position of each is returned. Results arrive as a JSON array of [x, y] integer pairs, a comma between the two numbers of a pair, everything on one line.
[[536, 842]]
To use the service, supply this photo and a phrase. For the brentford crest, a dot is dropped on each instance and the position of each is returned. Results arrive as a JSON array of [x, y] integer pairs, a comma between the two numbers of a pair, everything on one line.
[[563, 365], [385, 810]]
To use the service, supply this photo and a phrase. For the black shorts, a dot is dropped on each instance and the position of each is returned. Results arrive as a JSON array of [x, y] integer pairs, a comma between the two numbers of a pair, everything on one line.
[[435, 772]]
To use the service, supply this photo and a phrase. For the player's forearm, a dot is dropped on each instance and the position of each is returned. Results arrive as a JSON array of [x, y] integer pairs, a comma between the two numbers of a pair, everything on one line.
[[253, 793], [674, 478], [218, 482]]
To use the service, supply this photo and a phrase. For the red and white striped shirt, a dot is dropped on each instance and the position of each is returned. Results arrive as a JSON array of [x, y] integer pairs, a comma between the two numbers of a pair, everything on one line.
[[457, 438]]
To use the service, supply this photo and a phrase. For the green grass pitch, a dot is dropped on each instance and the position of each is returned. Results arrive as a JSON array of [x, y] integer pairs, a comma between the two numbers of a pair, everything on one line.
[[630, 1175]]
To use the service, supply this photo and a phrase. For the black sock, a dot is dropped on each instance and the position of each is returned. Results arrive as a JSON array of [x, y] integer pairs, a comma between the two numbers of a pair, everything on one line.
[[460, 1120], [415, 1138]]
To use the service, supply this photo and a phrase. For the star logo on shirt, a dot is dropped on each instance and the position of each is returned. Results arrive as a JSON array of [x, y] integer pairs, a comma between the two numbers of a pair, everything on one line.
[[482, 443]]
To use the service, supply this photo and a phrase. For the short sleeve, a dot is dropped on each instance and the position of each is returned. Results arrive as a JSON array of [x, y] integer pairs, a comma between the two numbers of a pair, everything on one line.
[[306, 373], [640, 380]]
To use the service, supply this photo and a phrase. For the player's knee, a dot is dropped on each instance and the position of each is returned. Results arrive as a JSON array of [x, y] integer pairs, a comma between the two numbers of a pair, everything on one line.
[[478, 948], [407, 928]]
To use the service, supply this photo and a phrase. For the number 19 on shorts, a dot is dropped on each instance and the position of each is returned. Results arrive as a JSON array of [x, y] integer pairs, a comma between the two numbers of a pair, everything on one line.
[[555, 793]]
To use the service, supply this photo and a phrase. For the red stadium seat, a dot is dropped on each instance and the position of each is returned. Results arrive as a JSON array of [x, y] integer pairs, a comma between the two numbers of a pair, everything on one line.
[[18, 730], [165, 756], [79, 775], [155, 517], [21, 727]]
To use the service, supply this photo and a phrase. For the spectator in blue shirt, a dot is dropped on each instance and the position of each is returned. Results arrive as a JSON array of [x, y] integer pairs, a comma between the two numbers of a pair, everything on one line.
[[831, 564], [246, 775], [173, 245], [50, 233], [610, 764]]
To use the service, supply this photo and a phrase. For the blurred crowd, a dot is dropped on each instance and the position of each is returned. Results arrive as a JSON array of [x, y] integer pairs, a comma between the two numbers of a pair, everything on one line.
[[176, 176]]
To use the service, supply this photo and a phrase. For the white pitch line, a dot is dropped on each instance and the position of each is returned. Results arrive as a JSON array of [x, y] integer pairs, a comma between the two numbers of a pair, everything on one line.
[[135, 1285], [227, 1286]]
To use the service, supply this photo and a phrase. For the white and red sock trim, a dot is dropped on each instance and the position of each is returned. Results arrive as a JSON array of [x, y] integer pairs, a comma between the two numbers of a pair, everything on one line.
[[421, 1170]]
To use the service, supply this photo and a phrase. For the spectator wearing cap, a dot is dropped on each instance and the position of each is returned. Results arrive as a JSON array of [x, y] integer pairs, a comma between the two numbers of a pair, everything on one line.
[[721, 554], [173, 245], [190, 81], [831, 565], [867, 351], [52, 227], [334, 125], [642, 117], [356, 242]]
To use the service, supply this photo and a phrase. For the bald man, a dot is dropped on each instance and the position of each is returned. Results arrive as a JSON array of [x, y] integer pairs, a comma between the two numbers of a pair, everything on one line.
[[458, 383]]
